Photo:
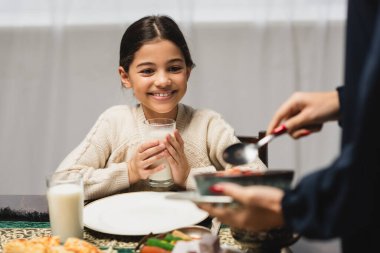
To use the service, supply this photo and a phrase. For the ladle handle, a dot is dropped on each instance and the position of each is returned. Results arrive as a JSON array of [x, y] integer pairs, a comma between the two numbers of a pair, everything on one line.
[[279, 130]]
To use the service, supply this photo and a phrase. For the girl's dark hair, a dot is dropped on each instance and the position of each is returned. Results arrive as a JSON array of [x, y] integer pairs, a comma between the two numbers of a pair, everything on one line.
[[147, 29]]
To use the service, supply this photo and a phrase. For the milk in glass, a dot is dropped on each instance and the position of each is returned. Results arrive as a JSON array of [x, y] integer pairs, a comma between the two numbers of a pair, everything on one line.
[[165, 174], [158, 129], [65, 201]]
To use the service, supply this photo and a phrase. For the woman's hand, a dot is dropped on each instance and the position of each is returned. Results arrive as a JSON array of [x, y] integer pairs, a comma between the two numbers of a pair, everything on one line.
[[175, 155], [259, 210], [141, 164], [305, 112]]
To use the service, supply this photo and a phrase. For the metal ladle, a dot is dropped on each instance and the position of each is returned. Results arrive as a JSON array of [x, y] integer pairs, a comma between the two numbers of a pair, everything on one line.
[[243, 153]]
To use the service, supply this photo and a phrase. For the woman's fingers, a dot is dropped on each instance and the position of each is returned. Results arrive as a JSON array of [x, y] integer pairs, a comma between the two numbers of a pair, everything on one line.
[[288, 109], [237, 192], [306, 131], [220, 212], [303, 109]]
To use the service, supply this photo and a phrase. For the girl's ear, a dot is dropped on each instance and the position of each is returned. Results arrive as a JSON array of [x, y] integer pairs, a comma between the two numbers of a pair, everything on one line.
[[188, 70], [124, 77]]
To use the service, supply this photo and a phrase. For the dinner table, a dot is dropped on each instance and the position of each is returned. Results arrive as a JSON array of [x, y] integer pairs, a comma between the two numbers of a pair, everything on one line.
[[26, 216]]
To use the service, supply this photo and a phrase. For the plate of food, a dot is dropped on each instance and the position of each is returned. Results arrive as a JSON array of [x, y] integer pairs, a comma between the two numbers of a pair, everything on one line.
[[140, 213]]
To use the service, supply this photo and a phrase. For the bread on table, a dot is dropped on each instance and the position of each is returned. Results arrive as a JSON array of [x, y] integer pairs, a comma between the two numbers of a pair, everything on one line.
[[49, 244], [80, 246]]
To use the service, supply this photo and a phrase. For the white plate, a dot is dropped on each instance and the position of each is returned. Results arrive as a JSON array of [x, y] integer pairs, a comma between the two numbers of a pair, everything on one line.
[[140, 213], [197, 198]]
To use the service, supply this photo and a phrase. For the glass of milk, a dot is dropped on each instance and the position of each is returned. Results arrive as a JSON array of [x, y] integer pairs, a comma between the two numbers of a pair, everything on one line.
[[65, 201], [158, 129]]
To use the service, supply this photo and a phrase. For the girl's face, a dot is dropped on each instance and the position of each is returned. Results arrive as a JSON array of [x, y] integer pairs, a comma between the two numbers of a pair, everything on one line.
[[158, 76]]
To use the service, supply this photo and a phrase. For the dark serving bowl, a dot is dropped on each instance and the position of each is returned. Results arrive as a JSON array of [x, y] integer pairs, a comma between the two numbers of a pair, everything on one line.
[[266, 241], [277, 178]]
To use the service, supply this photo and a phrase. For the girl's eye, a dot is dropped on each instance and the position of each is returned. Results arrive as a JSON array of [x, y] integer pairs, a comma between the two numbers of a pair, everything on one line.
[[175, 69], [146, 71]]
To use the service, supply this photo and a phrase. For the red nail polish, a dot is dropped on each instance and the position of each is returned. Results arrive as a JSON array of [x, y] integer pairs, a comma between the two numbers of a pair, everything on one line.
[[279, 130], [216, 189]]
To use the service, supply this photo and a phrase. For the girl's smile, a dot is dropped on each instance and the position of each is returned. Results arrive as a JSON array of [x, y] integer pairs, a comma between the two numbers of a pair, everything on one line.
[[162, 96]]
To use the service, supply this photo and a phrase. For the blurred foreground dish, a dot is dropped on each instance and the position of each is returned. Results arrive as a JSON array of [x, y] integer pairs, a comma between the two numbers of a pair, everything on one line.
[[194, 239], [265, 241], [51, 245], [240, 175]]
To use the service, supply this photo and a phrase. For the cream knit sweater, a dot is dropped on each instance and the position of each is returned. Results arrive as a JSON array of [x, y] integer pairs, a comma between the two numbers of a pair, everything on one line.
[[102, 157]]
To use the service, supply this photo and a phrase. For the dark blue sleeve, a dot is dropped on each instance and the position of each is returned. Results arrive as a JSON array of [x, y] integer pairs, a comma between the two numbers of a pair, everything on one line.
[[340, 91], [341, 200]]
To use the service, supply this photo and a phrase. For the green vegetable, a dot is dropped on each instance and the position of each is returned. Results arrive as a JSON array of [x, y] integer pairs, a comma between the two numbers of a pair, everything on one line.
[[159, 243], [171, 238]]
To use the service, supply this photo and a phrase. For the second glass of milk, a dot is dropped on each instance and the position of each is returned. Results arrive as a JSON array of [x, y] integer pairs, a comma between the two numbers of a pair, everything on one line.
[[65, 201], [158, 129]]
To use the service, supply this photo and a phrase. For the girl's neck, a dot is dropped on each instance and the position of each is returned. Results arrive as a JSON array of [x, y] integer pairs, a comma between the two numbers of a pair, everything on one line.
[[149, 114]]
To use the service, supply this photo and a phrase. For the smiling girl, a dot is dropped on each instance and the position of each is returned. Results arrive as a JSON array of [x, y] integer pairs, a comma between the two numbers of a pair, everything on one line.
[[155, 63]]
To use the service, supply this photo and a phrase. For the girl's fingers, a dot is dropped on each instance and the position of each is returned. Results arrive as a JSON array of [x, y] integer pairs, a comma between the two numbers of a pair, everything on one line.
[[170, 140], [173, 148], [178, 137], [147, 145], [156, 169], [147, 172], [148, 162], [153, 151], [171, 160]]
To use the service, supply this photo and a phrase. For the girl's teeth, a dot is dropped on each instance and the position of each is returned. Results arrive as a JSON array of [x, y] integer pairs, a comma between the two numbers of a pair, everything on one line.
[[162, 94]]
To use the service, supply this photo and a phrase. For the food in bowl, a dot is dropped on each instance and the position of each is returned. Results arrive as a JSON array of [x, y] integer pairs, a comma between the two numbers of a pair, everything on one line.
[[244, 177], [194, 239]]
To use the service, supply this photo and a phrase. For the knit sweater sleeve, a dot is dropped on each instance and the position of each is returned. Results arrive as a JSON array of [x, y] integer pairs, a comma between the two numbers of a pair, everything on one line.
[[91, 157]]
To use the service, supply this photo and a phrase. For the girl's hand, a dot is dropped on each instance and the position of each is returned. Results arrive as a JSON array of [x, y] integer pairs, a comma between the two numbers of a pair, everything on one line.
[[175, 155], [140, 166]]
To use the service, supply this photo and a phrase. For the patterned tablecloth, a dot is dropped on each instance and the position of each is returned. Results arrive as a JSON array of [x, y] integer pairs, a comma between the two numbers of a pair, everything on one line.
[[25, 216], [127, 243]]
